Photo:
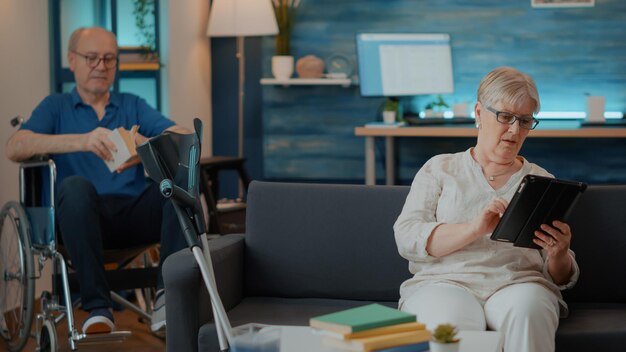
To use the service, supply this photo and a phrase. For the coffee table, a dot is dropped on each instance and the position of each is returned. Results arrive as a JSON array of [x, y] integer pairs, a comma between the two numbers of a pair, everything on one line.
[[303, 339]]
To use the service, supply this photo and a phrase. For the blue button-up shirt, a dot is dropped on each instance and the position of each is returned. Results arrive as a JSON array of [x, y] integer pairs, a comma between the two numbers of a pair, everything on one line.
[[68, 114]]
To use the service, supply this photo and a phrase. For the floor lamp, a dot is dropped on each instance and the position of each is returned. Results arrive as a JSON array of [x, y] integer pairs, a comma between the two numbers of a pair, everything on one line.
[[238, 18], [241, 18]]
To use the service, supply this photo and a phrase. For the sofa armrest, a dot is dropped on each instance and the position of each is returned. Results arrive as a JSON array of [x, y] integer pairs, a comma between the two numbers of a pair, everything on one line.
[[187, 301]]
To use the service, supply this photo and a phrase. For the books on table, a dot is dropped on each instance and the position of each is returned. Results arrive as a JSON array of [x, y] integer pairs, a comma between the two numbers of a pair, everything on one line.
[[375, 343], [368, 328], [361, 318]]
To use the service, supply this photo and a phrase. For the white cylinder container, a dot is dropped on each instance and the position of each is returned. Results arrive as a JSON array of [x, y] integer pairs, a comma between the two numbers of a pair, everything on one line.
[[282, 67]]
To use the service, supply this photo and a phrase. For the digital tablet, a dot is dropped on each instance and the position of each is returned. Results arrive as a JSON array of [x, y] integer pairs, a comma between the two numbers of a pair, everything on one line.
[[538, 200]]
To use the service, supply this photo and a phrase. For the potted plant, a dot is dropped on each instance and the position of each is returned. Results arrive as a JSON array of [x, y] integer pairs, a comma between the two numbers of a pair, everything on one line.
[[439, 105], [282, 62], [142, 9], [391, 111], [444, 339]]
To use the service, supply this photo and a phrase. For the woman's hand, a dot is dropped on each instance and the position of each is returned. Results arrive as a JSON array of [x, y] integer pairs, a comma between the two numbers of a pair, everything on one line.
[[489, 217], [555, 240], [98, 142]]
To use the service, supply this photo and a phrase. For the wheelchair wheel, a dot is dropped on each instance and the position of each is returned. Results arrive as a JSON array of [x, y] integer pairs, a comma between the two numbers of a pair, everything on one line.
[[47, 341], [17, 285]]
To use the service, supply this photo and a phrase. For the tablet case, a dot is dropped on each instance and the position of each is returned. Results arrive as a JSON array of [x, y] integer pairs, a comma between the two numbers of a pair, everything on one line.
[[538, 200]]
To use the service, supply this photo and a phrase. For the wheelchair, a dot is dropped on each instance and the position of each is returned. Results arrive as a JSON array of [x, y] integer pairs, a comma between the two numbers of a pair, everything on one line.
[[27, 230]]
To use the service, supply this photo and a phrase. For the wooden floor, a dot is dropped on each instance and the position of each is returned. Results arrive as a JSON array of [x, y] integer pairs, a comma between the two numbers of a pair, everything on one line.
[[141, 340]]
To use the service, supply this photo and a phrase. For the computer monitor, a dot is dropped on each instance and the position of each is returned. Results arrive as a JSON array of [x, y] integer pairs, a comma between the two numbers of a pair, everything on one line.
[[404, 64]]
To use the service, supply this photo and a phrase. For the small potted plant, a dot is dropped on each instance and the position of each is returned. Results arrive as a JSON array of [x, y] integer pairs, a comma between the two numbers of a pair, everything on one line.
[[439, 105], [444, 339], [391, 110], [283, 62]]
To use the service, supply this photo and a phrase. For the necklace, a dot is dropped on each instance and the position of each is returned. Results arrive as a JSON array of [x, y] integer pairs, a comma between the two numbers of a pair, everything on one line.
[[492, 178]]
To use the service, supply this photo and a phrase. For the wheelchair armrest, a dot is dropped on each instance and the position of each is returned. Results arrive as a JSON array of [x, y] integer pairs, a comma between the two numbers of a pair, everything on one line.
[[187, 301]]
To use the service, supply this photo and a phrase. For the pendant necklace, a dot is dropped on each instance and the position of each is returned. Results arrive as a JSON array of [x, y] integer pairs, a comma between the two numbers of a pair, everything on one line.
[[493, 177]]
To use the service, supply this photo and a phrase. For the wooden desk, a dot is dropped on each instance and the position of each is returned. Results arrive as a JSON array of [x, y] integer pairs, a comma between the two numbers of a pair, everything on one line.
[[465, 131]]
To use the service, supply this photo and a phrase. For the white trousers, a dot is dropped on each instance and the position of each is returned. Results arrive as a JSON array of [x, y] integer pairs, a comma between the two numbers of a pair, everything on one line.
[[526, 314]]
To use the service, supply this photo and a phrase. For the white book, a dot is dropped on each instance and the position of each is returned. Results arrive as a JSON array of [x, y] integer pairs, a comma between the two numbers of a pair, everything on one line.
[[125, 148]]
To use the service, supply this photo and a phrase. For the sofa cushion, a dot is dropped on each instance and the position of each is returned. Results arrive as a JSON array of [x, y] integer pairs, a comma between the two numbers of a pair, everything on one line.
[[599, 241], [593, 326], [323, 241]]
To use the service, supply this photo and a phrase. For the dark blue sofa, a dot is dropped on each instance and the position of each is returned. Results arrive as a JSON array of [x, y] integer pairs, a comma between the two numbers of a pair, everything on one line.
[[312, 249]]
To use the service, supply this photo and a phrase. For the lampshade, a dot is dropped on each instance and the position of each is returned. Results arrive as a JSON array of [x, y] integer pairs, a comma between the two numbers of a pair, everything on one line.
[[241, 18]]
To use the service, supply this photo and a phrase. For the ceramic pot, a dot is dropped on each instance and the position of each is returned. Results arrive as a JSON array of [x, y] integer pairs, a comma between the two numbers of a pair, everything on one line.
[[443, 347], [389, 116], [282, 67]]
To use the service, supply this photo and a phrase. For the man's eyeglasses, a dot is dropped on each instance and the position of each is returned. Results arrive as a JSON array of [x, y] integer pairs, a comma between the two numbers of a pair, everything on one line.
[[93, 60], [525, 122]]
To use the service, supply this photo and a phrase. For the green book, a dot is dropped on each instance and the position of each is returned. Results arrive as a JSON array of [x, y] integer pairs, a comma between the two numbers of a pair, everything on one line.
[[361, 318]]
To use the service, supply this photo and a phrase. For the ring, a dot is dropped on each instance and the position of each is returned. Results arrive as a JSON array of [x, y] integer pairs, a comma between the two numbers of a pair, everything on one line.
[[552, 242]]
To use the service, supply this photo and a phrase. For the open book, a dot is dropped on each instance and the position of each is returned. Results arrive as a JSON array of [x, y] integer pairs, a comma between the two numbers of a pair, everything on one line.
[[125, 146]]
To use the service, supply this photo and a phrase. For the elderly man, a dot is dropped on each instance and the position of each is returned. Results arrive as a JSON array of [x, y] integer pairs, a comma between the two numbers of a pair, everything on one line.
[[98, 209]]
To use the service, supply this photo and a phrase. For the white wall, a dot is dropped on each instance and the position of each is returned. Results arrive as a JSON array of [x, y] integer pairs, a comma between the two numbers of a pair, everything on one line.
[[24, 74], [24, 82], [187, 72]]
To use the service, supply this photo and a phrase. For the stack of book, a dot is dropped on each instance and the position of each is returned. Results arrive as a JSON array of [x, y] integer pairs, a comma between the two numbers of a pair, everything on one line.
[[372, 327]]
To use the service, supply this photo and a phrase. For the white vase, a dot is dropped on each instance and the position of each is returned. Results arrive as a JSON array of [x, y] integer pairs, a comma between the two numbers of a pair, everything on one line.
[[389, 116], [282, 67], [443, 347]]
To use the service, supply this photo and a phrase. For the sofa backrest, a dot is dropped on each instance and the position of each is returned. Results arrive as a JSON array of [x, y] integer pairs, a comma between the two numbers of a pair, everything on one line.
[[336, 241], [323, 241], [598, 223]]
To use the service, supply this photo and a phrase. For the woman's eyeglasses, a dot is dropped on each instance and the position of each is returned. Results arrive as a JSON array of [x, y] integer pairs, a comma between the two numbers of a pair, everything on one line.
[[93, 60], [525, 122]]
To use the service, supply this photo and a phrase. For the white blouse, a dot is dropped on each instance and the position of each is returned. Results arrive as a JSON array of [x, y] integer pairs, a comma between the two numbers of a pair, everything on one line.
[[451, 188]]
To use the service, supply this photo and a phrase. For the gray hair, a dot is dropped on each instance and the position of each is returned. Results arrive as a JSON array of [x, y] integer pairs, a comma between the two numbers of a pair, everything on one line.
[[76, 34], [510, 86]]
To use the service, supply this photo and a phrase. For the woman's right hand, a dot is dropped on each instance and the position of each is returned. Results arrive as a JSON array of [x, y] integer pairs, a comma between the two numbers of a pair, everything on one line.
[[98, 142], [489, 217]]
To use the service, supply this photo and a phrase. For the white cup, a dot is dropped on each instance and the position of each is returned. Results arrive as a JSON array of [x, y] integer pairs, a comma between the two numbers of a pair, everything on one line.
[[389, 116], [595, 108], [282, 67], [460, 110]]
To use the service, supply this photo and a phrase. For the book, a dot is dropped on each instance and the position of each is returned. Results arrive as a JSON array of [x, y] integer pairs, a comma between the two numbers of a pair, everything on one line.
[[380, 124], [414, 347], [379, 342], [391, 329], [361, 318], [125, 147], [538, 200]]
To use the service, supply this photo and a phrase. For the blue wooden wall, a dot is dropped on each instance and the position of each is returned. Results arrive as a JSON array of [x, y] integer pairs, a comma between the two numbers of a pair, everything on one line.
[[308, 132]]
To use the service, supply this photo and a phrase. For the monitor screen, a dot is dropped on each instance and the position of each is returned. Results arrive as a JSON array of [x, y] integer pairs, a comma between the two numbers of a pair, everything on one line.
[[404, 64]]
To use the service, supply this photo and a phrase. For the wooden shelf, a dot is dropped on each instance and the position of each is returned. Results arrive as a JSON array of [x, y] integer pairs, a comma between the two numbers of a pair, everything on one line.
[[139, 66], [344, 82]]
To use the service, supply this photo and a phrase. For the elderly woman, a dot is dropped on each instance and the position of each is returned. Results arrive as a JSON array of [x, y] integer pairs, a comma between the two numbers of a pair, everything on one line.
[[461, 276]]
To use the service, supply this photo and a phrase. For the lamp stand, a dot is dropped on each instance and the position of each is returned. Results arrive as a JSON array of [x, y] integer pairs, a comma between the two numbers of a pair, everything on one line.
[[242, 79]]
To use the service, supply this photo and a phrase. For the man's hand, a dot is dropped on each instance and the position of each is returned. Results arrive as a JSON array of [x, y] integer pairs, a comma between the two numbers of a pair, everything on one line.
[[128, 164], [98, 142]]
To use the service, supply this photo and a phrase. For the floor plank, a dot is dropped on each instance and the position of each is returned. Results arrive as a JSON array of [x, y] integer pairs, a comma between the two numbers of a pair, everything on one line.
[[141, 340]]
